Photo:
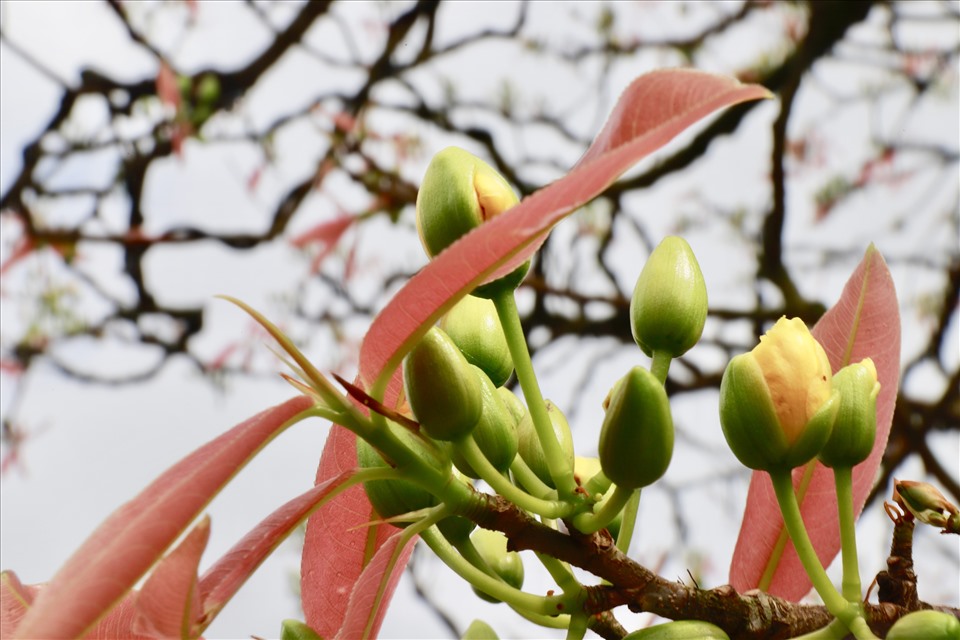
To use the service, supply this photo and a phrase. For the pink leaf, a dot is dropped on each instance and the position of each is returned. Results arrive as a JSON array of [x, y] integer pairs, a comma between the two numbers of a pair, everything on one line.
[[337, 541], [653, 110], [224, 578], [15, 599], [865, 322], [169, 602], [131, 540], [369, 598]]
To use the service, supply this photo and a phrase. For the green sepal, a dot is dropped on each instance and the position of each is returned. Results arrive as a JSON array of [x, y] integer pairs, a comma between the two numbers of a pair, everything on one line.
[[856, 427], [508, 565], [669, 304], [532, 451], [927, 624], [636, 438], [291, 629], [474, 327], [441, 388], [479, 630], [751, 427], [391, 498], [680, 630], [509, 282], [495, 433]]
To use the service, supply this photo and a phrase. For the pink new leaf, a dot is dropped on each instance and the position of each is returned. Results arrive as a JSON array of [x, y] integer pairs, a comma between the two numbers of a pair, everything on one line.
[[169, 602], [228, 574], [654, 109], [133, 538], [865, 322], [370, 596]]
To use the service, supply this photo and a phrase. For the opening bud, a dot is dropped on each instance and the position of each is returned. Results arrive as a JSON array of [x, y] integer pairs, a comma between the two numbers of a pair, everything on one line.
[[474, 327], [532, 451], [856, 427], [459, 193], [669, 304], [508, 565], [636, 438], [777, 404], [442, 390]]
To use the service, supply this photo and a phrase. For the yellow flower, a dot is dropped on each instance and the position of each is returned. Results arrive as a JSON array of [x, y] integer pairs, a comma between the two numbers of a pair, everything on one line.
[[777, 404], [797, 373]]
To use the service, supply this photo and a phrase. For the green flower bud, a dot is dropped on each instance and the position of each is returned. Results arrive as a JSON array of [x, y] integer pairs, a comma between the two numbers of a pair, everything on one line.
[[459, 193], [479, 630], [395, 497], [636, 438], [532, 451], [513, 404], [777, 405], [443, 392], [495, 432], [669, 304], [856, 427], [925, 625], [508, 565], [680, 630], [927, 505], [291, 629], [474, 327]]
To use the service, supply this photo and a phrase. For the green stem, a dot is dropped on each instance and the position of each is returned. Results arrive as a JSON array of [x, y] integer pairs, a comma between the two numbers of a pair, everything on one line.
[[609, 508], [628, 522], [560, 469], [843, 478], [578, 626], [599, 483], [542, 605], [561, 574], [833, 631], [530, 481], [660, 365], [467, 447], [847, 613]]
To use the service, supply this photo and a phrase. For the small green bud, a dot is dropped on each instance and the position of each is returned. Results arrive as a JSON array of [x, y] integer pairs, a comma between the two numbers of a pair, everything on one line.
[[459, 193], [508, 565], [636, 438], [669, 304], [532, 451], [927, 505], [291, 629], [479, 630], [495, 432], [777, 405], [443, 392], [856, 427], [925, 625], [474, 327], [395, 497], [680, 630], [513, 404]]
